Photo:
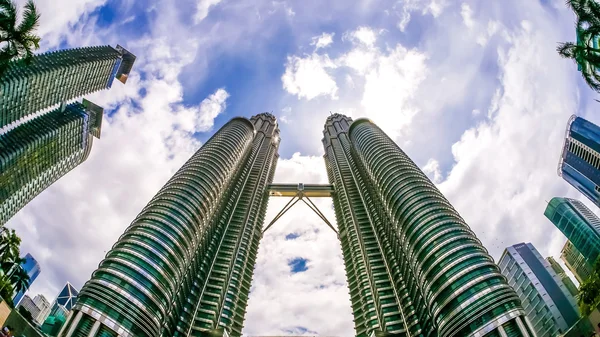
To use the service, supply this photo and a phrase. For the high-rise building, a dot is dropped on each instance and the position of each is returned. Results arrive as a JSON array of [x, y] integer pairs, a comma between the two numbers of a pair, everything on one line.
[[28, 304], [562, 275], [184, 266], [42, 303], [58, 77], [576, 262], [36, 154], [580, 160], [414, 267], [66, 298], [549, 305], [32, 267], [578, 224]]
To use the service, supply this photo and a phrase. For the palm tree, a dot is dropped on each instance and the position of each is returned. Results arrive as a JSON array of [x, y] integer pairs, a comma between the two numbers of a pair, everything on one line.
[[19, 278], [17, 41], [585, 52], [9, 245], [589, 291], [6, 290]]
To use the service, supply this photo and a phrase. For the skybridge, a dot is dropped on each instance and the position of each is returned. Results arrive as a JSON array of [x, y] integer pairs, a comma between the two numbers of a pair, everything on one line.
[[301, 192]]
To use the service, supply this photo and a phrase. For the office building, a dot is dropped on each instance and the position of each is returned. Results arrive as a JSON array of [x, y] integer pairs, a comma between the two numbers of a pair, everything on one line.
[[549, 305], [562, 275], [66, 298], [44, 306], [580, 159], [184, 266], [39, 152], [413, 265], [28, 304], [576, 262], [59, 76], [578, 224], [32, 267]]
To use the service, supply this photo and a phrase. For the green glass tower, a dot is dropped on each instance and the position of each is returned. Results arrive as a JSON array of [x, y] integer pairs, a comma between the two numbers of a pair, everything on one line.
[[560, 272], [39, 152], [580, 225], [414, 267], [184, 266], [57, 77]]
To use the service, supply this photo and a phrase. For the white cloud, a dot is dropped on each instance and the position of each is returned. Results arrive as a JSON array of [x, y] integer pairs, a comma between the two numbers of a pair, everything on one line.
[[203, 8], [322, 41], [432, 7], [467, 15], [210, 108], [432, 169], [308, 78], [363, 35]]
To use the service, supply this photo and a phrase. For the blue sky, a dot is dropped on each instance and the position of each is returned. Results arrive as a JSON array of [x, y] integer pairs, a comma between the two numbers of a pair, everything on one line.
[[472, 90]]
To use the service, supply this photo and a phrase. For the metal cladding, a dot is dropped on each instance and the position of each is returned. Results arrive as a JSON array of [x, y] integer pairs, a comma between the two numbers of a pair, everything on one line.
[[57, 77], [413, 266], [184, 266], [36, 154]]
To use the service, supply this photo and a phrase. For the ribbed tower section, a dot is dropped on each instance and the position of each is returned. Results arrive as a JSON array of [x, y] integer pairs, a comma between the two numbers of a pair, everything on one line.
[[449, 275], [36, 154], [144, 284], [58, 76], [184, 266], [226, 273], [380, 300]]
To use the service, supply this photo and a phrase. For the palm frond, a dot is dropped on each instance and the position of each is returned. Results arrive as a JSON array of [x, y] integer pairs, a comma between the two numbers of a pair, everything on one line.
[[31, 19], [8, 14], [567, 50]]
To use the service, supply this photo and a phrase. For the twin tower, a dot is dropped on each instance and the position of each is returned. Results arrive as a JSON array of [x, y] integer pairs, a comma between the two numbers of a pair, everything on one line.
[[184, 266]]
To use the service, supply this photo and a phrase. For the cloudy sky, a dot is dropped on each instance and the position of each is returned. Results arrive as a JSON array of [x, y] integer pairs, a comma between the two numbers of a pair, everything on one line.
[[472, 90]]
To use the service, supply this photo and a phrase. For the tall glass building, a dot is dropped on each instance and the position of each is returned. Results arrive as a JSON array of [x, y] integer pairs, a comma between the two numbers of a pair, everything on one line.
[[580, 160], [549, 305], [32, 267], [560, 272], [184, 266], [414, 267], [36, 154], [58, 77], [576, 262], [578, 224]]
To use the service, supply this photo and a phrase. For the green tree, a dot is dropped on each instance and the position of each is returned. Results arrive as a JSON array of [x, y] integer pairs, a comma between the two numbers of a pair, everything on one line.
[[589, 291], [17, 40], [6, 289], [9, 245], [585, 52]]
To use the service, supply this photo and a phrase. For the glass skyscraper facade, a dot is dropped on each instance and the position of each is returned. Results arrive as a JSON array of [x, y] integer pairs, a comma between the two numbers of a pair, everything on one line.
[[184, 266], [32, 267], [57, 77], [576, 262], [36, 154], [580, 225], [549, 305], [414, 267], [580, 160], [560, 272]]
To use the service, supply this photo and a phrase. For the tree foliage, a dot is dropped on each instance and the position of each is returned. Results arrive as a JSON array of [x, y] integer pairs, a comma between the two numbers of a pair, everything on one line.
[[17, 41], [585, 52], [589, 291], [13, 277]]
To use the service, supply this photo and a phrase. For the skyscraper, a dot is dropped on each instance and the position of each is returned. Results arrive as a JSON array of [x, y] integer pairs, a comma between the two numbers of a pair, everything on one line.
[[57, 77], [578, 224], [560, 272], [36, 154], [32, 267], [67, 297], [549, 305], [580, 160], [414, 267], [576, 262], [184, 266], [42, 303]]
